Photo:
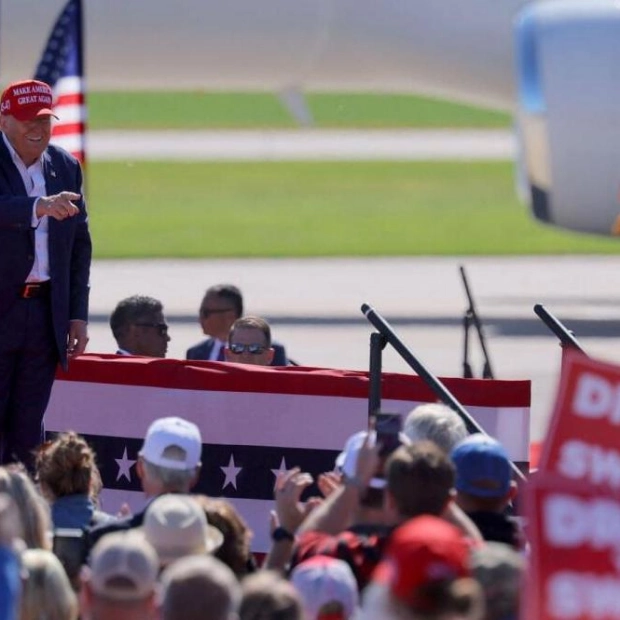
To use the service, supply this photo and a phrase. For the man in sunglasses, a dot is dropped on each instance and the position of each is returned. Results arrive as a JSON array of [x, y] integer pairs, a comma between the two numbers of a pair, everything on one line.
[[221, 306], [139, 327], [249, 342]]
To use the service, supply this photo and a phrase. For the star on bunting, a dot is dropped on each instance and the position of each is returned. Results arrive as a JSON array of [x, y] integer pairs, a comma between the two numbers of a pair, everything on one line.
[[124, 466], [231, 472], [282, 469]]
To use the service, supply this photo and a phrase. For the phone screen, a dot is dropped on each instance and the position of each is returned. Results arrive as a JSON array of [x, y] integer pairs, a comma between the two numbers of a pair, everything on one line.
[[388, 427]]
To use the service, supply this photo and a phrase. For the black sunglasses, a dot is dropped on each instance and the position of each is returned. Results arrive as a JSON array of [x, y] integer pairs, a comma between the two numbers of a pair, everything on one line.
[[207, 312], [162, 328], [252, 349]]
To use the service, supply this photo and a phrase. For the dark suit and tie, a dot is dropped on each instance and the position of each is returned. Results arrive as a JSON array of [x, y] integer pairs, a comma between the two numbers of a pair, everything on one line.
[[45, 253], [221, 307]]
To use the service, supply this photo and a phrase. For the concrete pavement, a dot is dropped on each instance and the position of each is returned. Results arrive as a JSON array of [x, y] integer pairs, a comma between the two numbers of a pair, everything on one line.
[[303, 145]]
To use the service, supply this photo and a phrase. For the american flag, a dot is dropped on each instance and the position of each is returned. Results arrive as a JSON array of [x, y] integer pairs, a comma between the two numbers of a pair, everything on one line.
[[61, 66]]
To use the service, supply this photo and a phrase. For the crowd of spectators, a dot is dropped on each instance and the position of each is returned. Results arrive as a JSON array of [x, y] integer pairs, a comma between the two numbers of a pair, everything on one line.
[[422, 532]]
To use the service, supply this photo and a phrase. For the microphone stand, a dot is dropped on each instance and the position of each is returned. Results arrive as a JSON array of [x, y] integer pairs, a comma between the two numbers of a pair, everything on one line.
[[471, 318], [440, 390], [565, 336]]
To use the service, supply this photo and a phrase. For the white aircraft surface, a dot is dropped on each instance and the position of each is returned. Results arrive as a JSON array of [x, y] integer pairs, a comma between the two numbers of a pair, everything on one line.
[[555, 63]]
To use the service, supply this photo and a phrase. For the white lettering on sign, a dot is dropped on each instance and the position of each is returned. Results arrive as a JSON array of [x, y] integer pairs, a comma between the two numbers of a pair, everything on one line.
[[579, 460], [569, 521], [578, 595], [596, 397]]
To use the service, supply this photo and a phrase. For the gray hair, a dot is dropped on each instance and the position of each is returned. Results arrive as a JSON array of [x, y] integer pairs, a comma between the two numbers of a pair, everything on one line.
[[174, 480], [199, 588], [499, 569], [437, 423]]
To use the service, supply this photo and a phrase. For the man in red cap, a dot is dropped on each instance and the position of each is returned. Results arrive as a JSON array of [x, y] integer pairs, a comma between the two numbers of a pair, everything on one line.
[[45, 253], [424, 575]]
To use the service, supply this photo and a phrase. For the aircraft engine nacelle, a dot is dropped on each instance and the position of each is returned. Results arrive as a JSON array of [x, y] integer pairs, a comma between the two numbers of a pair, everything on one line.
[[568, 65]]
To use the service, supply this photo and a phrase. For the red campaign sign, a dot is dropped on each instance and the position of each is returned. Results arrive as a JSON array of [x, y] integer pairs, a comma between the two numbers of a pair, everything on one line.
[[583, 442], [574, 567]]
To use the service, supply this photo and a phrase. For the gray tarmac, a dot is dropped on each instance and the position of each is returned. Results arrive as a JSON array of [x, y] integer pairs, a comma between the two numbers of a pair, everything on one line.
[[303, 144], [314, 308]]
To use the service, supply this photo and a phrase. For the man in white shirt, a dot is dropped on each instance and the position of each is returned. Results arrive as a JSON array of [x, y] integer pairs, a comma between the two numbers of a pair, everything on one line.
[[45, 254]]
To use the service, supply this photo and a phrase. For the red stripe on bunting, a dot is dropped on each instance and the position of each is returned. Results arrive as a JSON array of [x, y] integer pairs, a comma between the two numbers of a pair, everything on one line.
[[219, 376]]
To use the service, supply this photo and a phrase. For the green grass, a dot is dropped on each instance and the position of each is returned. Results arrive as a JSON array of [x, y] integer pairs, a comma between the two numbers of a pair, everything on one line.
[[201, 110], [162, 209]]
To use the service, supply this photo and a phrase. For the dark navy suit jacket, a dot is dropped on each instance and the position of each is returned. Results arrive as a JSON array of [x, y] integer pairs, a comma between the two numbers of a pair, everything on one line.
[[202, 351], [69, 243]]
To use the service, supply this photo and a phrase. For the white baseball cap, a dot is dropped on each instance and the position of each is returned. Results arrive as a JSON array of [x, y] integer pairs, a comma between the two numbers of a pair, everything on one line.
[[173, 432], [123, 566], [322, 580]]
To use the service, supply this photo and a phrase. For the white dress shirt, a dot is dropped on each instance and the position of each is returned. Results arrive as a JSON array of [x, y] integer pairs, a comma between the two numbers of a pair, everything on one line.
[[215, 351], [34, 182]]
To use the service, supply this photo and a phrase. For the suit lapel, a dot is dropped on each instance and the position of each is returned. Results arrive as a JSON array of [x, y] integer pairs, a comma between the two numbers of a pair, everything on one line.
[[52, 180], [54, 227]]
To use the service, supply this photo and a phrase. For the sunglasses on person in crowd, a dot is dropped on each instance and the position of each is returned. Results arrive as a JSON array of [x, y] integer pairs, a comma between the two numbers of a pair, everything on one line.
[[162, 328], [252, 349]]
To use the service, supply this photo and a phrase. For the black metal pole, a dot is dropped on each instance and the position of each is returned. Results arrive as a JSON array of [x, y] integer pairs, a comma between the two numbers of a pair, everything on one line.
[[377, 344], [467, 372], [442, 392], [487, 371], [564, 335]]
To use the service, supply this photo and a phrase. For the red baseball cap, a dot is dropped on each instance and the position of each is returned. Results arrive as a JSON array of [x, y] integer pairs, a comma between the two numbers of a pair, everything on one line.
[[423, 551], [27, 100]]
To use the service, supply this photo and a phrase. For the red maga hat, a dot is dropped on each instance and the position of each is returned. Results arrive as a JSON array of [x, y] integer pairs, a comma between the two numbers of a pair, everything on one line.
[[422, 551], [27, 100]]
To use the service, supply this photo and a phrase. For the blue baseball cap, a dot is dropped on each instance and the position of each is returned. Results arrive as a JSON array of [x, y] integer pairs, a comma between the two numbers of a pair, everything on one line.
[[483, 467]]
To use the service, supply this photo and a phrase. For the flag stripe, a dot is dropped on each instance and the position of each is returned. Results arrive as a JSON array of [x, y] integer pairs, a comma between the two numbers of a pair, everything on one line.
[[72, 98], [68, 114], [61, 67], [190, 375], [254, 512], [255, 418], [68, 129], [68, 85], [254, 481]]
